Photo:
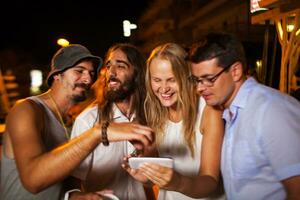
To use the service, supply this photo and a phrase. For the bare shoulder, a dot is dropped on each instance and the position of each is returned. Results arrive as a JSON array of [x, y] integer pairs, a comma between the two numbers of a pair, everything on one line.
[[210, 111], [23, 126], [211, 119], [23, 114], [24, 107]]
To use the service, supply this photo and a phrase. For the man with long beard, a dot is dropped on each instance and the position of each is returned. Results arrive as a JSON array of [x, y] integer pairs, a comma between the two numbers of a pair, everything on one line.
[[36, 156], [124, 95]]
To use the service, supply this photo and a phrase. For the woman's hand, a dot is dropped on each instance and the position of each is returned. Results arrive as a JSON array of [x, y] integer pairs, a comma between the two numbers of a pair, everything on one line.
[[164, 177], [135, 173]]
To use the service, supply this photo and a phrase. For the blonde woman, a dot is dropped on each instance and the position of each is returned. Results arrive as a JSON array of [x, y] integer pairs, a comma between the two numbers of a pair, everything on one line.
[[186, 129]]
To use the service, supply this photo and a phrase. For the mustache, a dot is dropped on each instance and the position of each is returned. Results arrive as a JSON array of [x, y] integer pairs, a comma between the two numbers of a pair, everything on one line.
[[82, 85], [113, 79]]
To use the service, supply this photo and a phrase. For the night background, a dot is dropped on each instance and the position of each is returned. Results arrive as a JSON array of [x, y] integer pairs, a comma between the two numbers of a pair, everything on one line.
[[30, 29], [34, 26]]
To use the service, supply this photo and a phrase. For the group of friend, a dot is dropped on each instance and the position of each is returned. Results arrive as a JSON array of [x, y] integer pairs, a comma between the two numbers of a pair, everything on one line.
[[197, 107]]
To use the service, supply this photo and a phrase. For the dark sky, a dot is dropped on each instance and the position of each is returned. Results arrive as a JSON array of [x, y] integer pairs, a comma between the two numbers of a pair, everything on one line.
[[34, 26]]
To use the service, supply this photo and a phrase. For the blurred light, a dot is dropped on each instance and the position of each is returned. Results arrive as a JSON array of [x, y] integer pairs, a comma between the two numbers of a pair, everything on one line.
[[279, 28], [36, 81], [127, 26], [63, 42], [290, 27], [2, 128], [298, 32], [258, 64], [254, 6], [290, 23]]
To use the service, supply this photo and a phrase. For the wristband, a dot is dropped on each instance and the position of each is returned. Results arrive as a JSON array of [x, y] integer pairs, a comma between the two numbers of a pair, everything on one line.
[[104, 133]]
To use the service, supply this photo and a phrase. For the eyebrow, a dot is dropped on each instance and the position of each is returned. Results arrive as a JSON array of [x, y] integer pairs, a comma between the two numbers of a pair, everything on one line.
[[169, 78], [119, 61], [205, 76], [81, 67]]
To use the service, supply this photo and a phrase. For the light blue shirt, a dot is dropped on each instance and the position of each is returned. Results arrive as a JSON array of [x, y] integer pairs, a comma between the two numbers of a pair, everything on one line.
[[262, 143]]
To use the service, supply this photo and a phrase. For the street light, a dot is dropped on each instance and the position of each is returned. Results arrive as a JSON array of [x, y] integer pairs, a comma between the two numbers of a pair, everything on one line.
[[63, 42], [127, 26], [36, 81]]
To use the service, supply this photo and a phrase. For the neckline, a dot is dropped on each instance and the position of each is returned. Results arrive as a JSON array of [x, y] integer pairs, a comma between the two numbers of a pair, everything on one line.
[[57, 112], [176, 123]]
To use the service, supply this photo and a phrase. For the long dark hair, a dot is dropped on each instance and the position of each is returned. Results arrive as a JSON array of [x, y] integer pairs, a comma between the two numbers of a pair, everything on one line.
[[137, 60]]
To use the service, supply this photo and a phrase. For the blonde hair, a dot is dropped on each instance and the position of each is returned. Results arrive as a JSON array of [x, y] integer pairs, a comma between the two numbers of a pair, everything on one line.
[[158, 115]]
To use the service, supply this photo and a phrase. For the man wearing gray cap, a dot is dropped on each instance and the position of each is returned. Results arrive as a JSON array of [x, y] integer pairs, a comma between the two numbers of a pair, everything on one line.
[[37, 155]]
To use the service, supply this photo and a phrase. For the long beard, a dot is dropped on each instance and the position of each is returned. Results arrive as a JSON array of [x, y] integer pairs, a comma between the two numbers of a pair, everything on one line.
[[124, 91]]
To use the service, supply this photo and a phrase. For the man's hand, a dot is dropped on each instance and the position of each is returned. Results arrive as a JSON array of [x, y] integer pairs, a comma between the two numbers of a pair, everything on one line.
[[139, 135]]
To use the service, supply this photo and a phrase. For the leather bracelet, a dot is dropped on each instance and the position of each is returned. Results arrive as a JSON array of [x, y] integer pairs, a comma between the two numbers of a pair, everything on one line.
[[104, 127]]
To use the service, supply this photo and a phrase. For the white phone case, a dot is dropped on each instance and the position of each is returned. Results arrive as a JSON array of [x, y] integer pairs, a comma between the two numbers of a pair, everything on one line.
[[135, 162]]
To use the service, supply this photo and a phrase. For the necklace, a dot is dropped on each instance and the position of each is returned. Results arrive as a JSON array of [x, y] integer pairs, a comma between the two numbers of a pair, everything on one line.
[[59, 116]]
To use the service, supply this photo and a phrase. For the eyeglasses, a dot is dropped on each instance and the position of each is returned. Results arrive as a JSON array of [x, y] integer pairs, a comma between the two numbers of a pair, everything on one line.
[[207, 81]]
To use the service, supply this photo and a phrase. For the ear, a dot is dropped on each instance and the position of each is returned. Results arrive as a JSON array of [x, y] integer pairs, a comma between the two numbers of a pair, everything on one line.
[[56, 77], [237, 71]]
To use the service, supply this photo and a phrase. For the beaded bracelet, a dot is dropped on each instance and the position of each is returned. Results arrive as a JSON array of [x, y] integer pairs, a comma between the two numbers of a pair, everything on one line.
[[104, 133]]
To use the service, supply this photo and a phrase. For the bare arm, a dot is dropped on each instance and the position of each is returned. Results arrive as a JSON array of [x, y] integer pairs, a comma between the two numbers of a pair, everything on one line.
[[212, 128], [292, 187], [39, 169], [207, 180]]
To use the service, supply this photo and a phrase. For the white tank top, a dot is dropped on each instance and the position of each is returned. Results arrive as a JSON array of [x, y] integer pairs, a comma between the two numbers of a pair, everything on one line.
[[174, 146]]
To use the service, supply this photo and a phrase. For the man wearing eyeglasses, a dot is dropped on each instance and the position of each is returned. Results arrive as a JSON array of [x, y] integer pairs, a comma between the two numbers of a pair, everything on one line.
[[261, 147]]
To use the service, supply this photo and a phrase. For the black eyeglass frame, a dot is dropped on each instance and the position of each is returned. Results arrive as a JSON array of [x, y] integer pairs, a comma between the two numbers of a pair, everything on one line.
[[211, 80]]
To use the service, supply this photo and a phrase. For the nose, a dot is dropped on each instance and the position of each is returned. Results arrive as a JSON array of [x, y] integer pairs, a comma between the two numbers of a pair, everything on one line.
[[111, 70], [110, 75], [87, 78], [164, 87], [200, 88]]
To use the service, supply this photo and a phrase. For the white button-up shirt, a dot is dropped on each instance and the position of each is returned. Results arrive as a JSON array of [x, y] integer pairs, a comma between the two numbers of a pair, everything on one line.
[[102, 168], [262, 143]]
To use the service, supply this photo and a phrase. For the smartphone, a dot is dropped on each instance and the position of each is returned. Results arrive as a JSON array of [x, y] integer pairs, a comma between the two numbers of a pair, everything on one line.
[[135, 162]]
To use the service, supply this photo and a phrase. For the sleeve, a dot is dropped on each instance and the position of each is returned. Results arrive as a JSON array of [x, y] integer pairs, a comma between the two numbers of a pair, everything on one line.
[[281, 137], [67, 194], [80, 126]]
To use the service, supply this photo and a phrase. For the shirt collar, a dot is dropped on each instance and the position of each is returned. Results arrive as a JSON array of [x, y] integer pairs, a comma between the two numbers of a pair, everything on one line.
[[118, 114], [239, 101], [241, 97]]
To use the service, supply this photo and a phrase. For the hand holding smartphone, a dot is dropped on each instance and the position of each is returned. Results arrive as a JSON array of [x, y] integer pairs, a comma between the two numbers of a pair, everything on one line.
[[135, 162]]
